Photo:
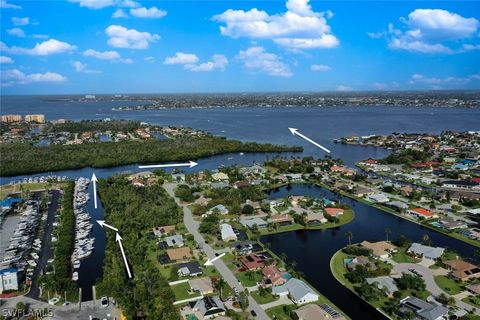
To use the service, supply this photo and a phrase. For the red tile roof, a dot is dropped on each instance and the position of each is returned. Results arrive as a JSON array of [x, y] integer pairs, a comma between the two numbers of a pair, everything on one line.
[[423, 212], [334, 211]]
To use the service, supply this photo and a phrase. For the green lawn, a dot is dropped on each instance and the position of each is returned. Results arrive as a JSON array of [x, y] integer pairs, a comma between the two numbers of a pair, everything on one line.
[[402, 257], [474, 301], [449, 285], [338, 270], [247, 281], [268, 297], [278, 313], [181, 291]]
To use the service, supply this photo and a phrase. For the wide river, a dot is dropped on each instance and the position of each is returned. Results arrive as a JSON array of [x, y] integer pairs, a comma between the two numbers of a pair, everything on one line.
[[313, 249]]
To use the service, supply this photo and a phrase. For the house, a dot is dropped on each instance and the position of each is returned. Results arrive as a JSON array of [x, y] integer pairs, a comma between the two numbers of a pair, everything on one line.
[[451, 224], [385, 283], [380, 249], [334, 212], [249, 223], [220, 176], [378, 198], [462, 270], [209, 307], [361, 192], [219, 208], [316, 312], [254, 261], [8, 279], [219, 185], [161, 231], [227, 232], [272, 276], [406, 190], [282, 219], [422, 309], [421, 213], [173, 241], [241, 184], [202, 285], [299, 291], [179, 177], [296, 200], [191, 269], [397, 205], [427, 252], [474, 288], [315, 218], [461, 184], [245, 247], [179, 254], [351, 264]]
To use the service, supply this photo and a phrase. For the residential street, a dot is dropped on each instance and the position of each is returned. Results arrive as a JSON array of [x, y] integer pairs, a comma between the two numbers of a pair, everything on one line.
[[192, 227]]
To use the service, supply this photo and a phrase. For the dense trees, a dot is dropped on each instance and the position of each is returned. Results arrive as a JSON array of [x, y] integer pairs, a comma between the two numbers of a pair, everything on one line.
[[24, 158], [184, 193], [134, 211], [210, 225], [409, 281], [94, 125]]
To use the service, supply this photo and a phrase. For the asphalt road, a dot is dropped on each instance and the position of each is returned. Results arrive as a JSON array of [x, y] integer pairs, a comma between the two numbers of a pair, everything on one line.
[[227, 274]]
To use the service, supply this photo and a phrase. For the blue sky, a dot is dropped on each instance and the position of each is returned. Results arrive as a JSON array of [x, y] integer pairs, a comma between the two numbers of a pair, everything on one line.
[[126, 46]]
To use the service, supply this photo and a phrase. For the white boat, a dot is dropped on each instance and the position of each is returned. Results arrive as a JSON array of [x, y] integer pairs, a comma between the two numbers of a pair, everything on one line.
[[76, 264], [75, 276]]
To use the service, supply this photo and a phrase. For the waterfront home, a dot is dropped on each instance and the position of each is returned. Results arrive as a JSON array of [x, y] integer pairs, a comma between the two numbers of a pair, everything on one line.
[[220, 176], [421, 213], [272, 276], [384, 283], [219, 208], [334, 212], [474, 288], [424, 251], [298, 290], [161, 231], [380, 249], [227, 232], [473, 211], [282, 219], [8, 279], [315, 218], [187, 269], [209, 307], [361, 192], [173, 241], [351, 264], [461, 184], [316, 312], [451, 224], [406, 190], [254, 261], [179, 254], [249, 223], [342, 170], [463, 195], [423, 310], [241, 184], [378, 198], [202, 285], [296, 200], [178, 177], [255, 205], [245, 247], [397, 205], [462, 270]]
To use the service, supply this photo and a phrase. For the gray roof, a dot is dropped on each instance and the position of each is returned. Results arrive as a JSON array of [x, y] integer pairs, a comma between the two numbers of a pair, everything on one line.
[[384, 282], [174, 241], [209, 305], [398, 204], [426, 251], [227, 231], [255, 221], [189, 268], [295, 287], [219, 185], [423, 309]]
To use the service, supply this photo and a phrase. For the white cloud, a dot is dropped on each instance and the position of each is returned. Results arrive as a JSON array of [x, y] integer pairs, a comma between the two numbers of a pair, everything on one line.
[[386, 86], [106, 55], [82, 67], [121, 37], [119, 13], [14, 77], [6, 60], [471, 47], [298, 28], [40, 36], [181, 58], [17, 32], [149, 59], [218, 62], [5, 5], [152, 13], [319, 67], [430, 31], [256, 59], [99, 4], [20, 21], [343, 88], [435, 82], [49, 47]]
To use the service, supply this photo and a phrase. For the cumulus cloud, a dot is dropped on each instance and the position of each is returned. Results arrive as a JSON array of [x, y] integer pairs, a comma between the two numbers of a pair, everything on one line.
[[119, 13], [256, 59], [435, 82], [343, 88], [430, 31], [151, 13], [82, 67], [121, 37], [319, 67], [6, 60], [20, 21], [46, 48], [17, 32], [100, 4], [298, 28], [5, 5], [112, 55], [190, 62], [14, 77], [181, 58]]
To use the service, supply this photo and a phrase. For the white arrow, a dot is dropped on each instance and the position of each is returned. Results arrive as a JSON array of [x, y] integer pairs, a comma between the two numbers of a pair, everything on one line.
[[210, 262], [119, 240], [103, 225], [94, 180], [295, 132], [190, 164]]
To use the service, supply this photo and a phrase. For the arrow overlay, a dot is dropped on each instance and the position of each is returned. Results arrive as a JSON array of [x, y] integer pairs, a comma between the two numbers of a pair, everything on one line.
[[294, 131], [119, 240], [94, 180], [210, 262], [103, 225], [190, 164]]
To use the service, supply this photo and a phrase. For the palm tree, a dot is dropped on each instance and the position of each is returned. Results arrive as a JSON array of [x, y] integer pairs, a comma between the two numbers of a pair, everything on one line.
[[219, 285], [387, 232], [426, 239], [349, 235]]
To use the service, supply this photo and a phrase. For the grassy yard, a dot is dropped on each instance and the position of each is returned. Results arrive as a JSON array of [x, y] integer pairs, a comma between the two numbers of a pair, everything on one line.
[[181, 291], [268, 297], [402, 257], [278, 313], [5, 190], [473, 300], [449, 285], [338, 270], [249, 281]]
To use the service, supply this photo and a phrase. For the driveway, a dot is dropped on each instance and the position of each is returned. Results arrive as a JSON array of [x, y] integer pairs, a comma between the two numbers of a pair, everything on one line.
[[281, 301], [227, 274]]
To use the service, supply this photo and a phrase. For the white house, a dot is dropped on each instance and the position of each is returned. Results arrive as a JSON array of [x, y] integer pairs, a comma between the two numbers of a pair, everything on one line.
[[8, 279], [227, 232], [299, 291], [378, 197], [220, 208]]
